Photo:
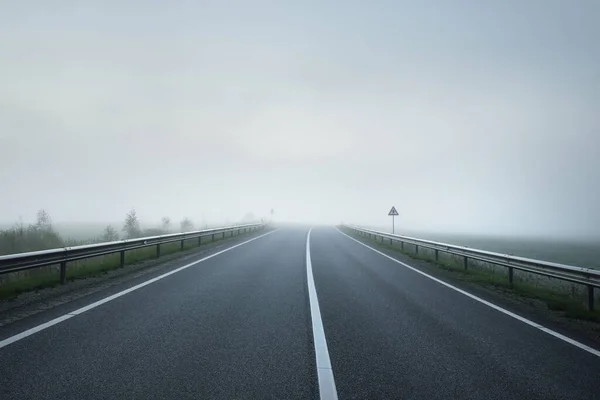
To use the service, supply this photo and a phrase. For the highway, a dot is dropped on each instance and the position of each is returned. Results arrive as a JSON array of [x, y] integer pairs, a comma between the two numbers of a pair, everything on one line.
[[242, 324]]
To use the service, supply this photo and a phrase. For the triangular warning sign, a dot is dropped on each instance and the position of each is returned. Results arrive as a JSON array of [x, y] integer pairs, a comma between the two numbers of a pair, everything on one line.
[[393, 211]]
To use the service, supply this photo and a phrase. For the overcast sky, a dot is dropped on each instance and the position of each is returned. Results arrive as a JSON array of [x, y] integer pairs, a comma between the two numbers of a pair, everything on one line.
[[467, 115]]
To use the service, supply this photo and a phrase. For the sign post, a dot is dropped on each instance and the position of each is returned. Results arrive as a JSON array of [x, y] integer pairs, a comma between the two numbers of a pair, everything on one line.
[[393, 213]]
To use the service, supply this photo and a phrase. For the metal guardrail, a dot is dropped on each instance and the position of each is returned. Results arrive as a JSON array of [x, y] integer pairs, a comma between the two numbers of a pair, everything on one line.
[[36, 259], [584, 276]]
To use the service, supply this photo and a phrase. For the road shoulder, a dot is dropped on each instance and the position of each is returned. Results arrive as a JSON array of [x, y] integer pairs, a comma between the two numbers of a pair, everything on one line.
[[30, 304], [586, 332]]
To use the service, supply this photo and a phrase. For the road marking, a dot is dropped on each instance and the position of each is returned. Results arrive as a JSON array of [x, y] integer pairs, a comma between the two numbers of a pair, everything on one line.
[[81, 310], [327, 390], [487, 303]]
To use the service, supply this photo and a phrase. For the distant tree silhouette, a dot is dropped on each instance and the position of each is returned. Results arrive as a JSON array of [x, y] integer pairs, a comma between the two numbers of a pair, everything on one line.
[[39, 236], [186, 225], [110, 234], [165, 224], [131, 227]]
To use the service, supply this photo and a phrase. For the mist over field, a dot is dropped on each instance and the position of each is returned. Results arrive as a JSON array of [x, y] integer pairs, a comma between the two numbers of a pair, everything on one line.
[[472, 118]]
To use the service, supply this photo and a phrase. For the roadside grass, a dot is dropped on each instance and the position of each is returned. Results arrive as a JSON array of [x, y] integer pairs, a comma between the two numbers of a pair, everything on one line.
[[480, 274], [36, 279]]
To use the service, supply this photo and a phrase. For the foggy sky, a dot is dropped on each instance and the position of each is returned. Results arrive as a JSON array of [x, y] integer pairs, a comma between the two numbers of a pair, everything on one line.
[[468, 116]]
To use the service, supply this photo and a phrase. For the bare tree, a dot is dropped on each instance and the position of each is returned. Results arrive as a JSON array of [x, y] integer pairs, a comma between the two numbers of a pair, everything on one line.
[[43, 220], [132, 225], [110, 234], [186, 225], [165, 224]]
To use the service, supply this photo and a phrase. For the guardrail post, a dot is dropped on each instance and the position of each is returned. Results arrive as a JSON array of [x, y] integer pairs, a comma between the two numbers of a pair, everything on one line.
[[63, 272], [590, 298], [465, 262], [181, 247], [391, 242], [511, 271], [122, 258], [199, 240], [158, 250], [213, 237], [437, 257], [417, 248], [402, 246], [223, 234]]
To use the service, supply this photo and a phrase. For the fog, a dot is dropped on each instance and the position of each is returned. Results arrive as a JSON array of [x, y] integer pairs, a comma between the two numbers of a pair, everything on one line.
[[468, 116]]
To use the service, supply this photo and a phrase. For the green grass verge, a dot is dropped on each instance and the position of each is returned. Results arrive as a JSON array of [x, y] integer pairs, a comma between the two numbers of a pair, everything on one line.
[[47, 277], [570, 306], [28, 283]]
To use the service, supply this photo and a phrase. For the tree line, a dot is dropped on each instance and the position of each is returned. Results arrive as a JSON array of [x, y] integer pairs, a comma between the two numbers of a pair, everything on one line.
[[42, 234]]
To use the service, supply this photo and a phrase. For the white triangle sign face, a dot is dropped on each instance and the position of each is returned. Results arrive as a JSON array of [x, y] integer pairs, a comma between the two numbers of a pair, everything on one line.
[[393, 211]]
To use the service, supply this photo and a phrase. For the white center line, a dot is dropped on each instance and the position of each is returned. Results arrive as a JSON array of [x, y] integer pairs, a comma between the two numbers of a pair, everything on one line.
[[487, 303], [81, 310], [327, 390]]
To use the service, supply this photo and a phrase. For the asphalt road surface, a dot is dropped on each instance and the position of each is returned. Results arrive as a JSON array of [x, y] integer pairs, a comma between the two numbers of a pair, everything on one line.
[[241, 325]]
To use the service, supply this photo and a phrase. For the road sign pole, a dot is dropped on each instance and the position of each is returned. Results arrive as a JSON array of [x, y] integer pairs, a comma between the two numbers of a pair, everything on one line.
[[393, 212]]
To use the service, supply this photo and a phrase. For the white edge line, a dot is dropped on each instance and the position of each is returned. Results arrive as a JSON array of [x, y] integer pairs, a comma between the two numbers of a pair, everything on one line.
[[81, 310], [327, 389], [487, 303]]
